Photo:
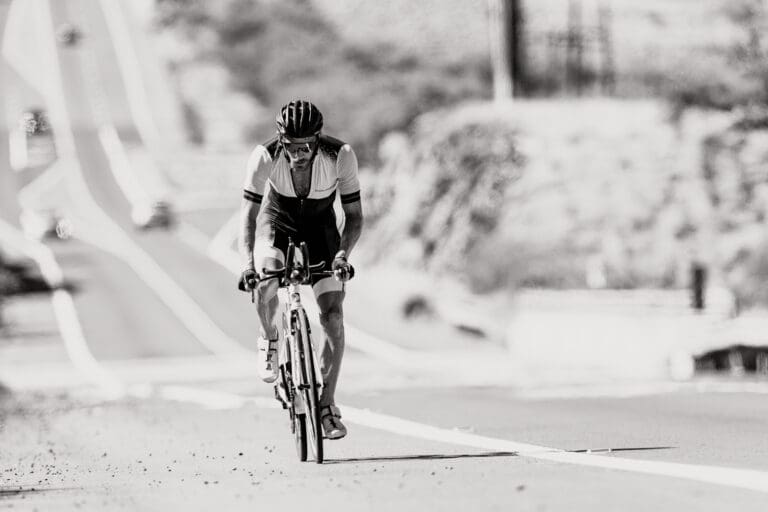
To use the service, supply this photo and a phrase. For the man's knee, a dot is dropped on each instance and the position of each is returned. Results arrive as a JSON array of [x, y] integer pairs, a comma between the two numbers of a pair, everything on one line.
[[331, 310], [332, 317], [266, 291]]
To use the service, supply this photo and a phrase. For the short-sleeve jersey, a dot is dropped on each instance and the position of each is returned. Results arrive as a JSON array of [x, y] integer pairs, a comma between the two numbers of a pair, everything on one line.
[[334, 167]]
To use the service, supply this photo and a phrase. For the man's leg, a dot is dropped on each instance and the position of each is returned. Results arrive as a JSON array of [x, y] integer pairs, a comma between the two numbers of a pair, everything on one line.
[[267, 254], [332, 346], [267, 301]]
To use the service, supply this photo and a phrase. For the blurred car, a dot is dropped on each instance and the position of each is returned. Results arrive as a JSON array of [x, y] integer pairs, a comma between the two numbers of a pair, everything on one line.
[[34, 122], [32, 143], [68, 34], [153, 215], [45, 223]]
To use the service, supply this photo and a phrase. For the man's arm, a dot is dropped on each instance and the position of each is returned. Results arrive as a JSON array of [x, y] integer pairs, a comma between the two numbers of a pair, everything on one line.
[[257, 172], [249, 210], [353, 226], [349, 190]]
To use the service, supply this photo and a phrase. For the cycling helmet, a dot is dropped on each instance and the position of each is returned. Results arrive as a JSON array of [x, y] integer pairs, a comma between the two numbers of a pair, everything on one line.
[[299, 119]]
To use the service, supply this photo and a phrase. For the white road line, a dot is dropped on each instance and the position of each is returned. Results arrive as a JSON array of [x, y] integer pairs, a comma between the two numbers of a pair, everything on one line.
[[131, 71], [17, 150], [121, 167], [108, 235], [45, 181], [221, 244], [226, 236], [188, 312], [731, 477], [64, 309], [192, 236]]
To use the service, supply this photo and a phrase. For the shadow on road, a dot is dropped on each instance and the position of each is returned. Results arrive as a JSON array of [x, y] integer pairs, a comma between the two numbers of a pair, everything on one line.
[[15, 491], [428, 456], [441, 456]]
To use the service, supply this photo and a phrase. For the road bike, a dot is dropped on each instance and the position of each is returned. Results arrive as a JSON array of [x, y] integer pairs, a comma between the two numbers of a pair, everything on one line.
[[300, 381]]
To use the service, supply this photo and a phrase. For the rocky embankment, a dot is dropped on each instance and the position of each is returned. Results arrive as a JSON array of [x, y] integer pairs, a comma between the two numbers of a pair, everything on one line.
[[570, 194]]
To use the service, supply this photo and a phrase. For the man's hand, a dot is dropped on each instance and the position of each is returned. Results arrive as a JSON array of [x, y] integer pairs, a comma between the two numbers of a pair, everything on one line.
[[249, 279], [342, 270]]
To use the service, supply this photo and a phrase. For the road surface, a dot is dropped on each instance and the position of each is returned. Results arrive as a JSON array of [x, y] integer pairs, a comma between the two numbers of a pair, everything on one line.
[[152, 402]]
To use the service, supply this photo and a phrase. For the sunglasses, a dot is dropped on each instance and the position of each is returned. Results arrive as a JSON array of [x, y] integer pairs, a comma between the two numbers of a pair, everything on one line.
[[304, 145]]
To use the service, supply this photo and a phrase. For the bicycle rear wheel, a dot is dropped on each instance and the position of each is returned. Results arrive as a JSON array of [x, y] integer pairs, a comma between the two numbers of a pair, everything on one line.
[[311, 388]]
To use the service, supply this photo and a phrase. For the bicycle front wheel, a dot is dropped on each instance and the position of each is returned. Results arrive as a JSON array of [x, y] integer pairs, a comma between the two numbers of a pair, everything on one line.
[[300, 435], [311, 388]]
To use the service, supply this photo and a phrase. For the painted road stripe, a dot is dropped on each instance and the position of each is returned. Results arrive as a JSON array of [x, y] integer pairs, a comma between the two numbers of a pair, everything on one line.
[[50, 177], [121, 167], [131, 70], [108, 235], [188, 312], [64, 309], [731, 477]]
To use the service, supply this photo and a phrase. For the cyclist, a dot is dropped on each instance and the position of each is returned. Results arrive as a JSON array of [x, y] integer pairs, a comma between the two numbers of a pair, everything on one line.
[[290, 188]]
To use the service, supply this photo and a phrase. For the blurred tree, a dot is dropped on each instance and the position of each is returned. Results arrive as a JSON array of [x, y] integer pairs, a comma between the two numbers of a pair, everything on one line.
[[507, 47]]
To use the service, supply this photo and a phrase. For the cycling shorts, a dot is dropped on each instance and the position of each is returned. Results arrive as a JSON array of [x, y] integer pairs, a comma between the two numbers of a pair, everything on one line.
[[322, 240]]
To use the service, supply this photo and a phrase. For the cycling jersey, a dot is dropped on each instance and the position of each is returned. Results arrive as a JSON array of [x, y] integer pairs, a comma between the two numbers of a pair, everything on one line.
[[309, 218], [334, 167]]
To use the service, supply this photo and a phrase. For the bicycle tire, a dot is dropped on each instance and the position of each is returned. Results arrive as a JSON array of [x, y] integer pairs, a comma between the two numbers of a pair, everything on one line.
[[312, 399], [298, 421], [300, 435]]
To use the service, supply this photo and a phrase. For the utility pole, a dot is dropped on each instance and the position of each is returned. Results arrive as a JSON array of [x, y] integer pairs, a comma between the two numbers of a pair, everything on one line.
[[574, 50], [507, 49], [605, 31]]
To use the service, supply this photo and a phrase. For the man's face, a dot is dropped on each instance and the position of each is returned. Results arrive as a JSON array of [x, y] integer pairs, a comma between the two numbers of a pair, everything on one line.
[[299, 151]]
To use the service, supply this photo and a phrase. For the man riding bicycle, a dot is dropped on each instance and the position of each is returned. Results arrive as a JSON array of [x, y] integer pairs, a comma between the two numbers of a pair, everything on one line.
[[289, 191]]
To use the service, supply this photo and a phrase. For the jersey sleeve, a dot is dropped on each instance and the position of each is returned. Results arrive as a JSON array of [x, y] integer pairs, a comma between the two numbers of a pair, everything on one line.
[[257, 174], [349, 184]]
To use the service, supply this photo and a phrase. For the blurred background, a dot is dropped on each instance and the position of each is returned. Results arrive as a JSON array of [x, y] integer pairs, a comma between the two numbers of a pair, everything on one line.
[[504, 145], [556, 192]]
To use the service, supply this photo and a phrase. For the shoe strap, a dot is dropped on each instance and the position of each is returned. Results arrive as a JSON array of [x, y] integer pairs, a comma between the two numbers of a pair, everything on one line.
[[330, 410]]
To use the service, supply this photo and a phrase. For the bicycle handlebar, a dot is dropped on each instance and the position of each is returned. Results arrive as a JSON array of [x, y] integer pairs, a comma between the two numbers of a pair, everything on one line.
[[294, 273]]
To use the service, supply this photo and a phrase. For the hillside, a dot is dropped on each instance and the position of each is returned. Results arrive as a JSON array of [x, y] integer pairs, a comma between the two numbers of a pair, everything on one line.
[[376, 66], [553, 192], [547, 193]]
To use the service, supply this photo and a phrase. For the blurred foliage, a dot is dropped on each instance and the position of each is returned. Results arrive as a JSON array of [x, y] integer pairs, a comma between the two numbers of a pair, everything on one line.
[[741, 77], [528, 195], [278, 51], [736, 175]]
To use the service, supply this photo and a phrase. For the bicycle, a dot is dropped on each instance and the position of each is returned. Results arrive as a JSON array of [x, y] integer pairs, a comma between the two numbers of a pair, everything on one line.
[[302, 383]]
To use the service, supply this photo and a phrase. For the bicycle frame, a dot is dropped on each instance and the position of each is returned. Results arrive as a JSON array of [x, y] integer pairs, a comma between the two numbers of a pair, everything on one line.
[[295, 310], [299, 366]]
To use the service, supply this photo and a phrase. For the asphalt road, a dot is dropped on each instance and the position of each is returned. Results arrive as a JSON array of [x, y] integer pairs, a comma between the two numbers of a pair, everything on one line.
[[193, 429]]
